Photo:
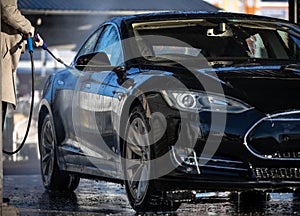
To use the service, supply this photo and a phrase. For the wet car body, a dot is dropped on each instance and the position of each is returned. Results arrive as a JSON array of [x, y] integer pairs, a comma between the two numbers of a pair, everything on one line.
[[246, 138]]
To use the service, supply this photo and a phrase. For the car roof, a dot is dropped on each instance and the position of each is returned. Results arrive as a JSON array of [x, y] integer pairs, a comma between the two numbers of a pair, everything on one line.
[[188, 15]]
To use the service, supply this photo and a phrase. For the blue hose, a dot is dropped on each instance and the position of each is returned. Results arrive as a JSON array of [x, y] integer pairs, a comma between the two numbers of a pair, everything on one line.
[[30, 49]]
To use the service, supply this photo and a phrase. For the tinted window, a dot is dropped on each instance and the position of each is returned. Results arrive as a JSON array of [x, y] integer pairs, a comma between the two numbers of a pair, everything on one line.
[[292, 43], [110, 43], [216, 38], [89, 45]]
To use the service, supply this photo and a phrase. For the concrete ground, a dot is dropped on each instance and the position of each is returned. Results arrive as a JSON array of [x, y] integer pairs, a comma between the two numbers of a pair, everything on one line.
[[23, 186]]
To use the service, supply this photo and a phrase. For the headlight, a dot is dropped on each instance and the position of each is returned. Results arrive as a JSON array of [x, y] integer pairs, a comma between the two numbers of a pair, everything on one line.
[[196, 101]]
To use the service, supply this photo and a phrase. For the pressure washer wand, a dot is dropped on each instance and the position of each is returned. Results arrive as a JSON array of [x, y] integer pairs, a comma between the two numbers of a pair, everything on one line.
[[57, 59], [45, 47]]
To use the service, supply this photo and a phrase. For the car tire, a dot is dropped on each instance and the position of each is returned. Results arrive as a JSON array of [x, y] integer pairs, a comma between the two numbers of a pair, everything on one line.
[[141, 191], [53, 178]]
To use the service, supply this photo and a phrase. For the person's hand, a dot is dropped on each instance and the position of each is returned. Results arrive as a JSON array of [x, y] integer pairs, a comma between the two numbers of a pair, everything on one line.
[[38, 40], [31, 33]]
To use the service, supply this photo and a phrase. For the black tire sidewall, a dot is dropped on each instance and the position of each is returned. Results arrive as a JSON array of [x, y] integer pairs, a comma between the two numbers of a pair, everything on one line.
[[45, 121], [59, 180]]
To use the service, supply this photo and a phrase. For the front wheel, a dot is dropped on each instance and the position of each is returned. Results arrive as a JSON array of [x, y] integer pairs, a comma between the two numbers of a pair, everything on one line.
[[137, 154], [53, 178]]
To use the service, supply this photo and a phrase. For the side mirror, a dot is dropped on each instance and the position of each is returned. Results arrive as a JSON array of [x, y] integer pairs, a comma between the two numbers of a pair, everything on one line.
[[91, 61], [120, 71]]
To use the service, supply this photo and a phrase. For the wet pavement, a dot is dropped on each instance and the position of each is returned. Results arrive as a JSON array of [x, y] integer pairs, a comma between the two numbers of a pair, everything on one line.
[[23, 186], [91, 198]]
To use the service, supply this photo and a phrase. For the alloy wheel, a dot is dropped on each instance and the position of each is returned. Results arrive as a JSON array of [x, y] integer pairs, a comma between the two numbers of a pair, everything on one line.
[[138, 159]]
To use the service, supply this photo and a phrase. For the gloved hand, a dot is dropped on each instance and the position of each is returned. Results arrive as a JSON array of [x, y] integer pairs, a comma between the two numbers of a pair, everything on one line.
[[38, 40]]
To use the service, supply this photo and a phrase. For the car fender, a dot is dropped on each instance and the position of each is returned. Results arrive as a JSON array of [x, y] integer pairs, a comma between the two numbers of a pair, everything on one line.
[[134, 96]]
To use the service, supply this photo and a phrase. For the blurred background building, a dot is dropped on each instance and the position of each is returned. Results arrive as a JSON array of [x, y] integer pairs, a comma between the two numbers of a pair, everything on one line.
[[273, 8]]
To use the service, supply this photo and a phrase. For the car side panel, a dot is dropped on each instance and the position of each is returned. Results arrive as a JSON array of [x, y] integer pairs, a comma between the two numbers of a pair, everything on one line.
[[91, 110]]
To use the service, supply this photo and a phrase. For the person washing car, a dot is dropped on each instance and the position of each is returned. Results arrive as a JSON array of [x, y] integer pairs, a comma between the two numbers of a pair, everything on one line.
[[14, 27]]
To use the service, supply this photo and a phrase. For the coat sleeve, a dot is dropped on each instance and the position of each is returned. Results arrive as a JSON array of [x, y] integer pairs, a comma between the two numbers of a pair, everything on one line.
[[11, 15]]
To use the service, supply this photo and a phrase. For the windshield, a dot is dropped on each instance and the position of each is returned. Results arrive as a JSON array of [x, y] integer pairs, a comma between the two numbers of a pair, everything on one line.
[[218, 39]]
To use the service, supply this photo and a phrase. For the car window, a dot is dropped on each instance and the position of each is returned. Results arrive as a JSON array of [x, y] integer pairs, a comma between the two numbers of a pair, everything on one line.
[[216, 39], [256, 47], [109, 43], [292, 43], [89, 45]]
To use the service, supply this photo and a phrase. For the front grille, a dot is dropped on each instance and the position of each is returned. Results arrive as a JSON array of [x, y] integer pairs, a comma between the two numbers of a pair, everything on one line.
[[295, 154], [277, 173], [275, 137]]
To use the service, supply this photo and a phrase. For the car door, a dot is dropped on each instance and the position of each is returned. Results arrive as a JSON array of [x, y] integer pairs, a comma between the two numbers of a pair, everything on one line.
[[98, 145], [70, 88], [114, 92]]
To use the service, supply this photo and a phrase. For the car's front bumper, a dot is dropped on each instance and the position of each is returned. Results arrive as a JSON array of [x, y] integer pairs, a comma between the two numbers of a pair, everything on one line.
[[266, 156], [175, 181]]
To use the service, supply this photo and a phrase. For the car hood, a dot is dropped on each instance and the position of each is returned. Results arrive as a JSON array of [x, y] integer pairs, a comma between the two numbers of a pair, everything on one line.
[[269, 89]]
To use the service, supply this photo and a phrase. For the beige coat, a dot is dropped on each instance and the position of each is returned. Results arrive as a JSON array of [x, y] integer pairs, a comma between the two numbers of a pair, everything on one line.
[[13, 23]]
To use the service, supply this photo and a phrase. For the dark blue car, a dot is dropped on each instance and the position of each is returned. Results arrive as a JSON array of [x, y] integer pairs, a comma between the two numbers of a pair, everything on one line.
[[169, 104]]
